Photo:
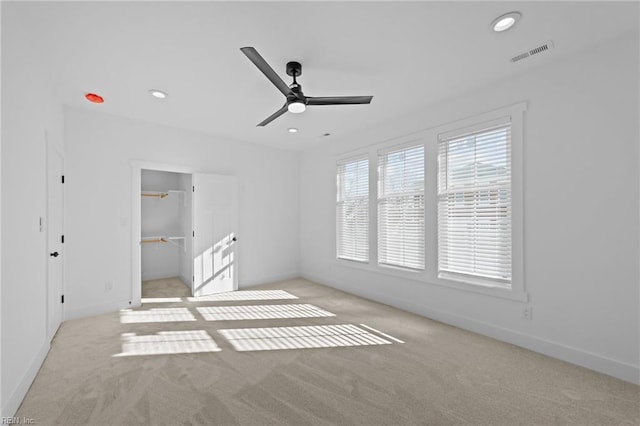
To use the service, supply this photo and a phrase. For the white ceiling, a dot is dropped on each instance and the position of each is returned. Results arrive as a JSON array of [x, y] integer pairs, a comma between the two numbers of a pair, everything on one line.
[[408, 55]]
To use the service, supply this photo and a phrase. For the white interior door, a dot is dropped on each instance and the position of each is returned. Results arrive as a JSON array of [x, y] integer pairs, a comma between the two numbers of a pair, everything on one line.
[[215, 226], [55, 231]]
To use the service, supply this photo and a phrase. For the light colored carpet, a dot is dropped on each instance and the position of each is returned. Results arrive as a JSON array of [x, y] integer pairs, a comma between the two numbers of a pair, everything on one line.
[[166, 287], [441, 375]]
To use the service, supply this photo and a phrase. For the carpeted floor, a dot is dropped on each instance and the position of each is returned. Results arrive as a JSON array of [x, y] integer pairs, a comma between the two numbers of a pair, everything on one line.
[[182, 361], [169, 287]]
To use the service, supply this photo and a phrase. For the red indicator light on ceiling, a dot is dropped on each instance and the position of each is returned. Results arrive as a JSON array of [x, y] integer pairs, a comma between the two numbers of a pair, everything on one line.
[[92, 97]]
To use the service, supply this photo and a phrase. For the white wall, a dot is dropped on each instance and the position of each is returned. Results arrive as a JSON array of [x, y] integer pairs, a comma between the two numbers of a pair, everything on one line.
[[161, 217], [29, 108], [580, 214], [99, 148]]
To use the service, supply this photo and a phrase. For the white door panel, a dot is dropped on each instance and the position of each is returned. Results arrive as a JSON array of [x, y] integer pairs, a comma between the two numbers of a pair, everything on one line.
[[215, 215]]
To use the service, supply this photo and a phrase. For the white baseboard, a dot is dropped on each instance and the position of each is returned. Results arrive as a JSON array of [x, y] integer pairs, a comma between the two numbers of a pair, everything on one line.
[[592, 361], [15, 399], [96, 309], [269, 279]]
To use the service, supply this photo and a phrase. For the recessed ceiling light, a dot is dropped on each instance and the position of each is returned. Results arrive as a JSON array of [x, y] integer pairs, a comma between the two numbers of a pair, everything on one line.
[[292, 130], [92, 97], [504, 22], [158, 93]]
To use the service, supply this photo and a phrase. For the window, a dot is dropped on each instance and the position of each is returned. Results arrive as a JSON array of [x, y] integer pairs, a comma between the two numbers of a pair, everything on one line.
[[401, 229], [352, 210], [461, 229], [475, 206]]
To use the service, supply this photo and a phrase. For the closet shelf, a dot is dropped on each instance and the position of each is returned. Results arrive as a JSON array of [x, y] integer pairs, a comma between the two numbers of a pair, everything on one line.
[[175, 240]]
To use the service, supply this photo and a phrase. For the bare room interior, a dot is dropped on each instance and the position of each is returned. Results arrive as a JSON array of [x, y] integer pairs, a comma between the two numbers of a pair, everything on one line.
[[322, 213]]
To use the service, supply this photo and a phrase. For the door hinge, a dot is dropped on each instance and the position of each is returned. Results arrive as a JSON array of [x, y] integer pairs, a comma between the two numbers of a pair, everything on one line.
[[193, 234], [193, 189], [193, 278], [62, 299], [62, 239], [62, 178]]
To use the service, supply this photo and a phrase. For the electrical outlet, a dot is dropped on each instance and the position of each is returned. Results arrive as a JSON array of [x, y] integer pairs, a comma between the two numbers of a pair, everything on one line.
[[108, 286], [527, 313]]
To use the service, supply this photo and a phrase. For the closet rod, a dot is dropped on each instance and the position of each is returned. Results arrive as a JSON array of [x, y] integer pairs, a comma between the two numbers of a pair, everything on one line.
[[155, 240], [158, 195], [170, 240]]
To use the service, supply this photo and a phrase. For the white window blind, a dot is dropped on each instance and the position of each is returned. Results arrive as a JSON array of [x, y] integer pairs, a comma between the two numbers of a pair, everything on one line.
[[474, 205], [401, 229], [352, 210]]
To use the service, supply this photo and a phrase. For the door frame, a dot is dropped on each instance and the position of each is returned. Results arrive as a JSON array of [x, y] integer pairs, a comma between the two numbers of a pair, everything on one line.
[[136, 219], [52, 297]]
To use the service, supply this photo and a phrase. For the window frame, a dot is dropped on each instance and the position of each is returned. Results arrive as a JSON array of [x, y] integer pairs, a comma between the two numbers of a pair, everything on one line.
[[380, 152], [480, 129], [339, 162], [515, 114]]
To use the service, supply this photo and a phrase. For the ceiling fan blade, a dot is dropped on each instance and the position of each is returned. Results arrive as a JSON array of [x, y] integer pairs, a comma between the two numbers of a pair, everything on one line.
[[273, 116], [266, 69], [339, 100]]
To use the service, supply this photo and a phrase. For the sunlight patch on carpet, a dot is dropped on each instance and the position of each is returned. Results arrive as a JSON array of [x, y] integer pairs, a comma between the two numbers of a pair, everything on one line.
[[128, 316], [146, 300], [244, 295], [167, 342], [303, 337], [253, 312]]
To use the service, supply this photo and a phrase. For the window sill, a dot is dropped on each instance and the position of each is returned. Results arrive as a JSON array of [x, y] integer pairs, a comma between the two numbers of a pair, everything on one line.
[[474, 280], [352, 261], [481, 287]]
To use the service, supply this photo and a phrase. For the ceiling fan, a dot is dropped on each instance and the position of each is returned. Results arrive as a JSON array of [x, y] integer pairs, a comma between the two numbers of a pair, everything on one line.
[[296, 100]]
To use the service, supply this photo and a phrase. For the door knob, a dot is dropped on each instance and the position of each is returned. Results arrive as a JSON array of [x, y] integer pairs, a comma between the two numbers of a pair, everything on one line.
[[54, 254], [234, 239]]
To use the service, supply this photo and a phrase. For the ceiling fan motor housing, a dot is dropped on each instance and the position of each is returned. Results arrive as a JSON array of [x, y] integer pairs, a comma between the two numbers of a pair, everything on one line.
[[294, 69]]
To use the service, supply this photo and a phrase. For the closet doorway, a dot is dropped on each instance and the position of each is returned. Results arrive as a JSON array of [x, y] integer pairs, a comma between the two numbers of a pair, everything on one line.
[[184, 232], [166, 234]]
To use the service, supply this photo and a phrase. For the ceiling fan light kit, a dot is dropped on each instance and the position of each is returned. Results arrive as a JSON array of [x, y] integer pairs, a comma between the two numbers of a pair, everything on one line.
[[296, 102], [296, 107]]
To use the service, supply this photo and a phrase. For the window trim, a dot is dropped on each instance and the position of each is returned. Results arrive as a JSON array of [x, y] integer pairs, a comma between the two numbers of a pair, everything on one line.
[[515, 113]]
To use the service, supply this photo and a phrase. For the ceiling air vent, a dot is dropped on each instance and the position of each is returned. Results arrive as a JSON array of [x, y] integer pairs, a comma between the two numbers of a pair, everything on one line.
[[544, 47]]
